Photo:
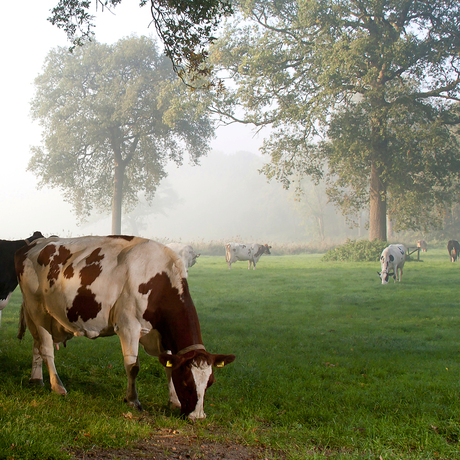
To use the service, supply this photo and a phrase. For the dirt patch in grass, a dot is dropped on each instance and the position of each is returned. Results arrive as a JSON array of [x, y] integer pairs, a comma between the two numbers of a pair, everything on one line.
[[172, 445]]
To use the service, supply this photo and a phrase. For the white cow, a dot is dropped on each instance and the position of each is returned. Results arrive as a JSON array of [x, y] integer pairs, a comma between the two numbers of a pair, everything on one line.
[[186, 253], [251, 252], [392, 258]]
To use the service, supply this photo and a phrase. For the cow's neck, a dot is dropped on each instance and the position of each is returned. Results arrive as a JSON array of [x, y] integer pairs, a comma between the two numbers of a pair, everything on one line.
[[171, 313]]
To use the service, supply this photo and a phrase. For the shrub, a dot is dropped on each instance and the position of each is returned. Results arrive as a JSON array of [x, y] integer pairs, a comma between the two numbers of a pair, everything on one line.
[[356, 251]]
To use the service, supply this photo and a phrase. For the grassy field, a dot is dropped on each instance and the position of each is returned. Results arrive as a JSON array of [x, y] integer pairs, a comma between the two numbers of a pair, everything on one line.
[[329, 363]]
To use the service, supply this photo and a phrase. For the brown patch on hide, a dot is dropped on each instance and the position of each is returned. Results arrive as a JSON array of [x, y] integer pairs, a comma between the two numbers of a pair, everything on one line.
[[55, 259], [85, 305], [69, 272], [171, 313], [44, 257], [123, 237]]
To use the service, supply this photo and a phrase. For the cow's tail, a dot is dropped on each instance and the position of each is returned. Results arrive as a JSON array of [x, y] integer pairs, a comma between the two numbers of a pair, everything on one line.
[[22, 323]]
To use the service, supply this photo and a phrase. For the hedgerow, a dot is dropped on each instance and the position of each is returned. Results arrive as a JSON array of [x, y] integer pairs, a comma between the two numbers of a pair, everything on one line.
[[356, 251]]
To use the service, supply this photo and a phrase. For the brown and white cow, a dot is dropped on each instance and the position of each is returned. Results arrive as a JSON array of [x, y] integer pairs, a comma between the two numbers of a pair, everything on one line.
[[422, 245], [133, 287], [250, 252], [454, 249], [8, 278], [186, 253]]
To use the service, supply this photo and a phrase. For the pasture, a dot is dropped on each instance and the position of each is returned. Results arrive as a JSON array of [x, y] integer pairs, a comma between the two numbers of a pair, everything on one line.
[[330, 363]]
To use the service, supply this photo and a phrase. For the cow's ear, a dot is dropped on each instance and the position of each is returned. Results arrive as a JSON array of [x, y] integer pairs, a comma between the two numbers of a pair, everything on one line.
[[222, 360], [170, 361], [379, 273]]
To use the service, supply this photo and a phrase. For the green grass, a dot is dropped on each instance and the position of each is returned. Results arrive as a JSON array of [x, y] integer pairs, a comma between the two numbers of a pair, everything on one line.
[[329, 362]]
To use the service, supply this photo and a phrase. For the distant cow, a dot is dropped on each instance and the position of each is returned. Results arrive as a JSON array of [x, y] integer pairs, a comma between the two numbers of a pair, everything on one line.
[[251, 252], [186, 253], [422, 245], [453, 248], [392, 258], [8, 279], [133, 287]]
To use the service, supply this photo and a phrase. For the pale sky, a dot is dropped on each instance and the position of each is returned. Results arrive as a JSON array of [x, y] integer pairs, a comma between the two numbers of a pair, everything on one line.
[[26, 38]]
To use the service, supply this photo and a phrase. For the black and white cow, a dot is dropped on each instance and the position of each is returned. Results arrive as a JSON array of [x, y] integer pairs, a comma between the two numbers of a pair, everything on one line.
[[133, 287], [454, 248], [186, 253], [250, 252], [8, 279], [392, 258]]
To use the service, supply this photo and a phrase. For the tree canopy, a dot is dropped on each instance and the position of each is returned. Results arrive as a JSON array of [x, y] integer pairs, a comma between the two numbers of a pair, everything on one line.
[[362, 94], [185, 27], [112, 117]]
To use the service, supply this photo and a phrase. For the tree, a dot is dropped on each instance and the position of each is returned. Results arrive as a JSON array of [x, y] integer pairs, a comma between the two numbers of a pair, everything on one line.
[[184, 26], [362, 93], [113, 116]]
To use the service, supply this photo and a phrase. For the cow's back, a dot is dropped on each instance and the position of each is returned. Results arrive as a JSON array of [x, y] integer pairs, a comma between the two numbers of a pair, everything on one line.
[[81, 280], [399, 252]]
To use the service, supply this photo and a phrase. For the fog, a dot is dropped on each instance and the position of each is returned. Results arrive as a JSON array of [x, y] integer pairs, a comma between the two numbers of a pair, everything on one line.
[[223, 198]]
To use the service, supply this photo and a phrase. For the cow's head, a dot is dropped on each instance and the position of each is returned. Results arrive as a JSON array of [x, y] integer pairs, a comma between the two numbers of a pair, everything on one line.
[[194, 256], [192, 373], [267, 249], [384, 276], [385, 262]]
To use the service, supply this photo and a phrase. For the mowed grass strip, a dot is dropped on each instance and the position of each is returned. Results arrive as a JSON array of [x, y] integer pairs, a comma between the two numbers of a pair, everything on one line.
[[329, 362]]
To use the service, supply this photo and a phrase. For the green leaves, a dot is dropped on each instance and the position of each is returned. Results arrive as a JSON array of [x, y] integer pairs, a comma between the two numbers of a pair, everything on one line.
[[109, 110], [185, 27], [350, 86]]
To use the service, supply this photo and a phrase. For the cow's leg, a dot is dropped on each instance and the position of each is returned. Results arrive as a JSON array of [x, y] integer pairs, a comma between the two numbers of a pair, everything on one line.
[[47, 353], [249, 265], [129, 339], [173, 399], [36, 376], [42, 351], [132, 369]]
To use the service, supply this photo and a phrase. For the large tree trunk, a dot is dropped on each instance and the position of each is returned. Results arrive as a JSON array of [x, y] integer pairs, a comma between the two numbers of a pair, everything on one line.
[[117, 199], [378, 207]]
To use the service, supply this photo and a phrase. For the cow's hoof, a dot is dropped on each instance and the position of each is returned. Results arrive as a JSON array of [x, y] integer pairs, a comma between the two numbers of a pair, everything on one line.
[[60, 390], [38, 382], [136, 404]]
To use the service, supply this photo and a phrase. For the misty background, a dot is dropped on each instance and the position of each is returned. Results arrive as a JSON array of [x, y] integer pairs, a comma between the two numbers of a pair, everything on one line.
[[226, 198], [223, 198]]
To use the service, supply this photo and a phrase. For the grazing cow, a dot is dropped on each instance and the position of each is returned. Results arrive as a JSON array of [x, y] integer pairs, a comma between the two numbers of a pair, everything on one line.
[[392, 258], [100, 286], [186, 253], [8, 279], [422, 245], [454, 248], [250, 252]]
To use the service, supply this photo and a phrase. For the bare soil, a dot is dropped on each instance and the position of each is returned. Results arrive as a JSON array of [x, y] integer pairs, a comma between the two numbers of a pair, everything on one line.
[[173, 445]]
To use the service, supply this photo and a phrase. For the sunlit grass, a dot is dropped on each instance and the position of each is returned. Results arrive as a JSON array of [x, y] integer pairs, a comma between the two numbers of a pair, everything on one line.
[[328, 361]]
